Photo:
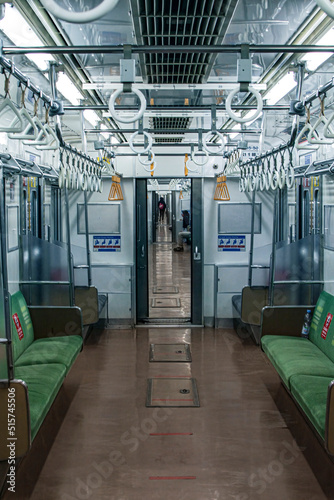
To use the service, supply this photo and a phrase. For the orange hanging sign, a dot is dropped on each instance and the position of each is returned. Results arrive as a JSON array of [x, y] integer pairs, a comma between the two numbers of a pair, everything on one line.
[[116, 189], [186, 171]]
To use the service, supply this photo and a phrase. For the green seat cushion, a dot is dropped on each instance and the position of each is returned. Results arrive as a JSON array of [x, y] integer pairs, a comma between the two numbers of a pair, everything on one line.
[[22, 329], [44, 382], [310, 393], [61, 350], [322, 325], [296, 355]]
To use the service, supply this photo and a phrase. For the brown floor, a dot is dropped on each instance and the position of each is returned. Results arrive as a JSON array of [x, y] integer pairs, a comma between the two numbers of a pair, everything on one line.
[[236, 446], [169, 268]]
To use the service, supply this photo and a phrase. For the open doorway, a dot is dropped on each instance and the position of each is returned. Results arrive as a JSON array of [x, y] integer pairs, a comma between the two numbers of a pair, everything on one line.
[[169, 251], [162, 273]]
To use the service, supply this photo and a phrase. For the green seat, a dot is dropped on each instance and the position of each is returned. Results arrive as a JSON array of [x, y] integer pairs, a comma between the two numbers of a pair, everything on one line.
[[296, 355], [44, 382], [310, 392], [62, 350]]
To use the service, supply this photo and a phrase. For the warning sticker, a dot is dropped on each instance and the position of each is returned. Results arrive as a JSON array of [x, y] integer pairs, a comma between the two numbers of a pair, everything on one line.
[[110, 243], [231, 243], [326, 325], [18, 326]]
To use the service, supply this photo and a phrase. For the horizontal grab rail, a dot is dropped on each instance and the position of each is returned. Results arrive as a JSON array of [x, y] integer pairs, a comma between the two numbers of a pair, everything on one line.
[[32, 282], [302, 282]]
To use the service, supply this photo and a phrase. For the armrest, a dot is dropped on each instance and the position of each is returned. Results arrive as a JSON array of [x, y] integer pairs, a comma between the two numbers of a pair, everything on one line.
[[283, 320], [14, 420], [252, 302], [329, 431], [86, 297], [55, 321]]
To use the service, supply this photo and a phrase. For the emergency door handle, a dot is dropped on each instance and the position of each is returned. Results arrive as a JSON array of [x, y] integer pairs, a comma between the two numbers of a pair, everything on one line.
[[197, 255]]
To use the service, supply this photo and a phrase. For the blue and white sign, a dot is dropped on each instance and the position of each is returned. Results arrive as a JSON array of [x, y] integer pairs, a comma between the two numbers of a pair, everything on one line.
[[107, 243], [231, 243]]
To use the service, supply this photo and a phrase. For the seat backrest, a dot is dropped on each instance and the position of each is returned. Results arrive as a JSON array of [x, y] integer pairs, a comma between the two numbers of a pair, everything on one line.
[[22, 329], [322, 325]]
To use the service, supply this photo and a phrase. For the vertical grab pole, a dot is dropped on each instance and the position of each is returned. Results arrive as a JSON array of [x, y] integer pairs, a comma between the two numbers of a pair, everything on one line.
[[273, 254], [250, 270], [87, 240], [299, 92], [69, 253], [4, 276], [84, 146]]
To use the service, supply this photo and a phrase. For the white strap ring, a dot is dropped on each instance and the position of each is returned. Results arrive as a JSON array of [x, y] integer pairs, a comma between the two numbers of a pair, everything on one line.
[[149, 169], [281, 178], [146, 162], [259, 104], [241, 185], [262, 183], [290, 178], [61, 177], [274, 180], [79, 17], [206, 137], [206, 159], [150, 142], [131, 119], [268, 180]]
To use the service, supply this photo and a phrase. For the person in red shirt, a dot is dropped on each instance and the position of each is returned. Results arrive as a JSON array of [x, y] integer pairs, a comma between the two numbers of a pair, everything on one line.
[[162, 208]]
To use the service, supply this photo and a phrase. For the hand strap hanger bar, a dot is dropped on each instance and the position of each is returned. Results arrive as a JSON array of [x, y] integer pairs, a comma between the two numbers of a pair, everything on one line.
[[168, 49], [321, 91], [315, 95], [26, 168], [8, 65], [79, 154]]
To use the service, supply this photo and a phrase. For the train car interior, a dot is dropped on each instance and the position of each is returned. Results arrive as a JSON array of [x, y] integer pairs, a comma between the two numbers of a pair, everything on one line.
[[167, 249]]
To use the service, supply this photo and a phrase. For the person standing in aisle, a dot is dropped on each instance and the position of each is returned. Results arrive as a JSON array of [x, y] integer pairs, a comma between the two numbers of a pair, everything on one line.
[[162, 208]]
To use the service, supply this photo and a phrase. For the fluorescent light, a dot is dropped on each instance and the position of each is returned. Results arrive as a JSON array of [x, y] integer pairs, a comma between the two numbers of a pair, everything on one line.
[[104, 127], [68, 89], [21, 34], [107, 133], [315, 59], [282, 87], [233, 136], [250, 113], [91, 117], [3, 139]]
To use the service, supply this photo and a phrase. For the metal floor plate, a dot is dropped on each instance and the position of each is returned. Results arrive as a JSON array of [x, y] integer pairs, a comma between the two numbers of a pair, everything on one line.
[[170, 352], [181, 392], [165, 302], [165, 289]]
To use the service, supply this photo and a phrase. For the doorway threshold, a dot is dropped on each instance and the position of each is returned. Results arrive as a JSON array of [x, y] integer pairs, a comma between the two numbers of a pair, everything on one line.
[[166, 323]]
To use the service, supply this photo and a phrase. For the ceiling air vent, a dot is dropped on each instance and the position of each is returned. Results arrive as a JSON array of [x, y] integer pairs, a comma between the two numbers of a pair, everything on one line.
[[169, 123], [180, 22]]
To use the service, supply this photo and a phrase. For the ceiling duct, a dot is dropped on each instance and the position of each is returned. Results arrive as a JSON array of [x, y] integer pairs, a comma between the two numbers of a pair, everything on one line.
[[175, 140], [169, 123], [180, 22]]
